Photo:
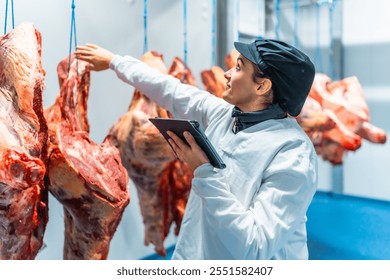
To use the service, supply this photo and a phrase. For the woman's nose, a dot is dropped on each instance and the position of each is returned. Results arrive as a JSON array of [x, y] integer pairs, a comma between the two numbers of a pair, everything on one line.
[[227, 74]]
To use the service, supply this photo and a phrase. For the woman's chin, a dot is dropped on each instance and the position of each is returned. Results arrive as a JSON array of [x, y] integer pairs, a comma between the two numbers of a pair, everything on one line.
[[225, 95]]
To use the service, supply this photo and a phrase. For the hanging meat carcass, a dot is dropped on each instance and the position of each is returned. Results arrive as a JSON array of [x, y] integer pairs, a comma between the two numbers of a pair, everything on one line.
[[350, 89], [343, 101], [88, 179], [23, 136], [313, 118], [214, 80], [231, 59], [372, 133], [162, 181], [345, 98]]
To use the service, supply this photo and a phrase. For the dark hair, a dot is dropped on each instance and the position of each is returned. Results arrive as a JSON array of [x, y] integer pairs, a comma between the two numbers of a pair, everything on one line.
[[258, 74]]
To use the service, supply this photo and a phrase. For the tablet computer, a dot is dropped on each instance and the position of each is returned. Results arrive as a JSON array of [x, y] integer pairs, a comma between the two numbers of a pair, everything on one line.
[[179, 126]]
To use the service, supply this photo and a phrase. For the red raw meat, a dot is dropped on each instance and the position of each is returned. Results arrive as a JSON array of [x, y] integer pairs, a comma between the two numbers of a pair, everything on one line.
[[23, 137], [214, 80], [86, 178]]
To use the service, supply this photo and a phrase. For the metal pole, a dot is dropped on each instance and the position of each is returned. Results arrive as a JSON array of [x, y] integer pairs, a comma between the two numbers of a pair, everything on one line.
[[338, 61], [222, 47]]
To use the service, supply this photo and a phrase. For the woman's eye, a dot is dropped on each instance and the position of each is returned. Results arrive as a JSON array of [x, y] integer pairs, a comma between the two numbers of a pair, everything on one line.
[[237, 68]]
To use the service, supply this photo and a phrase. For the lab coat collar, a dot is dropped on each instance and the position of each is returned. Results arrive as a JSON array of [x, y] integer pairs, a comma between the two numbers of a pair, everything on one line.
[[244, 120]]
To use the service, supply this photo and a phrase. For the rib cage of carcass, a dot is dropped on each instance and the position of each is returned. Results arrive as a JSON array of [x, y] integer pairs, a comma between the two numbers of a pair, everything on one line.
[[335, 115], [23, 135], [162, 181], [88, 179]]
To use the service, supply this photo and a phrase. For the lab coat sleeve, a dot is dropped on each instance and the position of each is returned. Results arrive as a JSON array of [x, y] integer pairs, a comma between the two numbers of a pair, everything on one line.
[[276, 210], [183, 101]]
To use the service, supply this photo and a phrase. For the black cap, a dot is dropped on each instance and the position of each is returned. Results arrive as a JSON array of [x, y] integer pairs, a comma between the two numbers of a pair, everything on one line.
[[290, 70]]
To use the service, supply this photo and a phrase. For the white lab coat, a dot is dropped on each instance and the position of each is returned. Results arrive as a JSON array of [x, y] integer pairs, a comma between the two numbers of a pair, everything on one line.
[[256, 207]]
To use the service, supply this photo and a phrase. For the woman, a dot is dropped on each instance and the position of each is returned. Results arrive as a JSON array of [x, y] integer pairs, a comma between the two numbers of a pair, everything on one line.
[[256, 207]]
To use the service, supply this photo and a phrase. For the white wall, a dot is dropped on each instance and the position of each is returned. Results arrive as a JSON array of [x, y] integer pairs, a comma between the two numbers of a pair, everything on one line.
[[118, 26], [367, 43]]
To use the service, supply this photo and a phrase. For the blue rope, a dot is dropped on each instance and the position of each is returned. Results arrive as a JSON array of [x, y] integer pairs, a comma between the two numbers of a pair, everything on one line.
[[72, 30], [296, 16], [213, 42], [277, 23], [145, 26], [6, 15], [259, 8], [185, 30]]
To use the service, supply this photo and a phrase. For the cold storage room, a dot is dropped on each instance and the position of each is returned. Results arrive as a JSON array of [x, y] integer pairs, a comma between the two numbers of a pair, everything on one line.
[[86, 175]]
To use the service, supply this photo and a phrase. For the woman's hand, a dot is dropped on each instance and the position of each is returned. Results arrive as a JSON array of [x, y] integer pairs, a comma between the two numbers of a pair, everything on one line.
[[98, 57], [192, 154]]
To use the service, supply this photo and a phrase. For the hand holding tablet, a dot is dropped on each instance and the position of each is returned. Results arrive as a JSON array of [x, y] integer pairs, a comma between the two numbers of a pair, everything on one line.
[[179, 126]]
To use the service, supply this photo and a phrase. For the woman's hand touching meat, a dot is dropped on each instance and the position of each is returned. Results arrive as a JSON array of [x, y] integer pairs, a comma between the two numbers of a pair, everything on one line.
[[98, 57]]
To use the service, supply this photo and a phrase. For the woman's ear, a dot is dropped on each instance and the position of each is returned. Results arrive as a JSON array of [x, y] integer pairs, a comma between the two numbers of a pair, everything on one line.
[[264, 86]]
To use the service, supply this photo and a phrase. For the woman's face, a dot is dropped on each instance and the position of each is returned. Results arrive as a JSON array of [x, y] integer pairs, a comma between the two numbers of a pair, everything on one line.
[[240, 87]]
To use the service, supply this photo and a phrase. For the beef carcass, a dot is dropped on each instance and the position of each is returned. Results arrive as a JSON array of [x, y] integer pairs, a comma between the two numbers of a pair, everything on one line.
[[162, 181], [313, 118], [343, 102], [214, 80], [372, 133], [180, 71], [351, 90], [330, 151], [316, 121], [231, 59], [345, 98], [23, 136], [88, 179], [341, 134]]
